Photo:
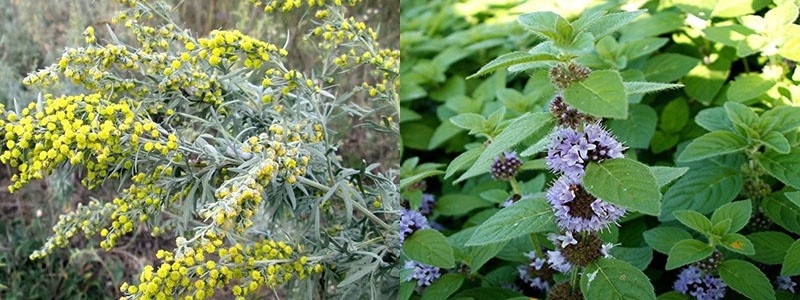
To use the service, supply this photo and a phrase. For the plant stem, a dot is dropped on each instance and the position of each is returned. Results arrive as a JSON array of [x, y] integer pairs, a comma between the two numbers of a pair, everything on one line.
[[515, 186], [356, 205], [537, 246]]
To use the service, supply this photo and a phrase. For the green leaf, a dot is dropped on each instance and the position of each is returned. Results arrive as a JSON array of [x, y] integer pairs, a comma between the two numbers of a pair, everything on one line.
[[602, 94], [524, 217], [668, 67], [663, 141], [686, 252], [615, 279], [407, 115], [665, 175], [778, 18], [443, 133], [714, 119], [673, 295], [653, 25], [469, 121], [782, 211], [791, 49], [675, 116], [713, 144], [624, 182], [694, 220], [702, 190], [738, 243], [728, 35], [635, 87], [406, 290], [700, 8], [735, 8], [405, 182], [486, 293], [514, 58], [704, 81], [637, 130], [785, 167], [479, 255], [741, 116], [748, 86], [429, 247], [536, 125], [548, 25], [791, 262], [663, 238], [776, 141], [459, 204], [746, 279], [462, 161], [782, 118], [739, 212], [770, 246], [609, 23], [639, 258], [443, 287]]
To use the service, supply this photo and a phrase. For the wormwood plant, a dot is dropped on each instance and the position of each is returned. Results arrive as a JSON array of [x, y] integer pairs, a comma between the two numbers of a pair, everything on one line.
[[218, 141], [721, 206]]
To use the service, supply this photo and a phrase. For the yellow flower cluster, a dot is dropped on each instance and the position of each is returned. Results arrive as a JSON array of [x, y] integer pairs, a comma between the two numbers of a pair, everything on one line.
[[222, 46], [83, 130], [279, 156], [288, 5], [86, 218], [344, 30], [139, 201], [195, 273]]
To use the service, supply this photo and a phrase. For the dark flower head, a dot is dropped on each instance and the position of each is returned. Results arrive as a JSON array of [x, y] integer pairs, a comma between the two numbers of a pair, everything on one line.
[[506, 166], [692, 281], [411, 221], [562, 76], [568, 116], [580, 250], [570, 151], [577, 210], [423, 274], [564, 291]]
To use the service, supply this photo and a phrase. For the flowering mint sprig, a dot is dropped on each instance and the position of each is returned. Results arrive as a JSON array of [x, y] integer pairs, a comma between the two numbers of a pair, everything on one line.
[[694, 282]]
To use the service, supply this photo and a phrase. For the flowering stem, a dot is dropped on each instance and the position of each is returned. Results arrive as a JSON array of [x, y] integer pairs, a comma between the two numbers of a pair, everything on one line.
[[515, 186], [537, 246], [573, 282]]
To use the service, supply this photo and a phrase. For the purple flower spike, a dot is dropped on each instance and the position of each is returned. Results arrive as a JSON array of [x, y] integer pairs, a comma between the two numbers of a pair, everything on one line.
[[536, 274], [423, 274], [410, 221], [571, 150], [558, 262], [786, 283], [427, 205], [692, 281], [577, 210]]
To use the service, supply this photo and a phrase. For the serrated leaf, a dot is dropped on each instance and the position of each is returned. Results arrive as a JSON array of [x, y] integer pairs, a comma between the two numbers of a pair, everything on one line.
[[713, 144], [770, 246], [782, 119], [746, 279], [615, 279], [776, 141], [791, 262], [748, 86], [662, 239], [738, 212], [635, 87], [514, 58], [741, 116], [737, 243], [536, 126], [462, 161], [702, 190], [686, 252], [548, 25], [430, 247], [602, 94], [694, 220], [609, 23], [469, 121], [624, 182], [784, 167], [524, 217], [714, 119], [443, 287], [665, 175]]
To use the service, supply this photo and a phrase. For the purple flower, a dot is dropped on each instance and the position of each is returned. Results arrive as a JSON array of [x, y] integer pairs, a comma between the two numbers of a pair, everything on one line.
[[423, 274], [692, 281], [558, 262], [506, 166], [570, 150], [577, 210], [786, 283], [410, 221], [427, 205], [536, 274]]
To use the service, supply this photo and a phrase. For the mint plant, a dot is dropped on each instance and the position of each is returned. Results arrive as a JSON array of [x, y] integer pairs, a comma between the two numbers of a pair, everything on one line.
[[642, 169]]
